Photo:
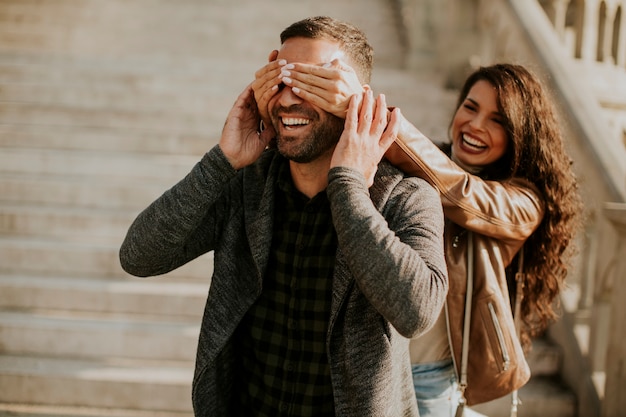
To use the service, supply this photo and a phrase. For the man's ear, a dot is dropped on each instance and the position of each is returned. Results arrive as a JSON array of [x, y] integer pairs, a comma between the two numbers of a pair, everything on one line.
[[273, 55]]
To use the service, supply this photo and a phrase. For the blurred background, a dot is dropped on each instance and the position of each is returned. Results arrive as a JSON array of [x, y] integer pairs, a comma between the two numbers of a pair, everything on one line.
[[104, 104]]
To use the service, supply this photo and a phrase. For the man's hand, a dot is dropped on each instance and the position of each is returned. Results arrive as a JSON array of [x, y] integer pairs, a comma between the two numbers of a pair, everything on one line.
[[329, 86], [241, 142], [367, 135]]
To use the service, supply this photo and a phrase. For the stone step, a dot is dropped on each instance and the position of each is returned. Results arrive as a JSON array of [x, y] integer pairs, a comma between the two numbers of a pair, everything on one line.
[[58, 333], [159, 167], [108, 383], [71, 190], [81, 259], [179, 103], [179, 86], [58, 256], [54, 114], [103, 225], [105, 139], [540, 397], [167, 32], [116, 30], [29, 410], [167, 298], [183, 96], [141, 74]]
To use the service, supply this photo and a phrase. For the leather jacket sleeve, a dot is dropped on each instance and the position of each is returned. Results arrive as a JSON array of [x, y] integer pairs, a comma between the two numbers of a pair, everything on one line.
[[506, 210]]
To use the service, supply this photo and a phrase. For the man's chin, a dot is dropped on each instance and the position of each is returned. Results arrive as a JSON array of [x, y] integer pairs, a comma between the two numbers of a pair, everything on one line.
[[286, 147]]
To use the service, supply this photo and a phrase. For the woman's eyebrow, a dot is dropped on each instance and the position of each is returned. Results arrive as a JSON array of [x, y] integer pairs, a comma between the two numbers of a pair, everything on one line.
[[475, 103]]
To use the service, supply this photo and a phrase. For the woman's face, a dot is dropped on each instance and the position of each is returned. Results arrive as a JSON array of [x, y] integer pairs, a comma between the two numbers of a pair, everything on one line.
[[478, 136]]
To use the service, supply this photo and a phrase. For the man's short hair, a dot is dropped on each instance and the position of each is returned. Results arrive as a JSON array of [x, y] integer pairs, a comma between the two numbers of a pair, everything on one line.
[[352, 40]]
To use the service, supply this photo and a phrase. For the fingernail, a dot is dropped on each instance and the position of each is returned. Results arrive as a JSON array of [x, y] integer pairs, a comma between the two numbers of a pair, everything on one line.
[[285, 73], [295, 90], [282, 62], [287, 80], [289, 66], [326, 65]]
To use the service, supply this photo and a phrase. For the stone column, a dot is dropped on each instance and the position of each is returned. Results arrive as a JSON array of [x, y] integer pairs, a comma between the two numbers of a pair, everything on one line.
[[607, 45], [590, 30], [621, 41], [560, 11], [614, 402]]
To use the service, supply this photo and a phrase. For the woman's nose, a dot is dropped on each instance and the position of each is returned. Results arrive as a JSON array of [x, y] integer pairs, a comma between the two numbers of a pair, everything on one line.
[[478, 122]]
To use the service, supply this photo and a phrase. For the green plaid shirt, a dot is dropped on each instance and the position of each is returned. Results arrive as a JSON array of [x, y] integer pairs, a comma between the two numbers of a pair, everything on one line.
[[285, 369]]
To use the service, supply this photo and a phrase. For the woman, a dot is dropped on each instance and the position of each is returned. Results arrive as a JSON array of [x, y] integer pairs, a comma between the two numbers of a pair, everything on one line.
[[505, 176], [516, 188]]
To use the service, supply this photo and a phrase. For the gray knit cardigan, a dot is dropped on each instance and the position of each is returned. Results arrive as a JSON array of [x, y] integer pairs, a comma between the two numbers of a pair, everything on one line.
[[389, 282]]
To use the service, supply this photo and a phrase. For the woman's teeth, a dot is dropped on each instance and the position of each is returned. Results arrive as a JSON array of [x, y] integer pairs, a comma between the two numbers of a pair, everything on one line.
[[473, 142]]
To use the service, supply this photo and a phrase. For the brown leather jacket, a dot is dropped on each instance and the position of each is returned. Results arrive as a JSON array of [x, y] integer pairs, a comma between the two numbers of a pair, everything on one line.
[[501, 215]]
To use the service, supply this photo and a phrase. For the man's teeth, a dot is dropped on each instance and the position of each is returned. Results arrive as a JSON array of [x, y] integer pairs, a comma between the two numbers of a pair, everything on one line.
[[292, 121], [473, 142]]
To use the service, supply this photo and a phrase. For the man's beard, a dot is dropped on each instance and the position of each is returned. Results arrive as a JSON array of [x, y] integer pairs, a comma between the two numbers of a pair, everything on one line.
[[327, 130]]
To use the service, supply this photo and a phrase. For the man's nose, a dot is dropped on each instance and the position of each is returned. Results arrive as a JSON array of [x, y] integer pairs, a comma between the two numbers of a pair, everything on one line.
[[286, 97]]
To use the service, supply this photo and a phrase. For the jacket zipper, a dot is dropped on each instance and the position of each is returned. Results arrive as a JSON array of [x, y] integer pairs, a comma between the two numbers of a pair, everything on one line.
[[505, 353]]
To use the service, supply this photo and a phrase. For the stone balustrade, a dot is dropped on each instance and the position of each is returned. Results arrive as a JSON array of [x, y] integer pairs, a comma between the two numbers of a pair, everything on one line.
[[593, 34], [591, 30], [615, 402]]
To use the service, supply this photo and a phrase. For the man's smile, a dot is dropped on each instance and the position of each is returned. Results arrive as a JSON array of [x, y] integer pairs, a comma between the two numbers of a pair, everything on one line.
[[294, 122]]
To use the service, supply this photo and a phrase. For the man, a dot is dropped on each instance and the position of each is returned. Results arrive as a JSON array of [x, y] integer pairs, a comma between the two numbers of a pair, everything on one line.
[[326, 259]]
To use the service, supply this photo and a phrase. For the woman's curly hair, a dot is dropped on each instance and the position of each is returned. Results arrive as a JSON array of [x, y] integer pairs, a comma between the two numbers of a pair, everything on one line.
[[537, 153]]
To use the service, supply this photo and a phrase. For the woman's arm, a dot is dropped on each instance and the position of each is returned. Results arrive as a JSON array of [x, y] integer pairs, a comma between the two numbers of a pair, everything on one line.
[[509, 209]]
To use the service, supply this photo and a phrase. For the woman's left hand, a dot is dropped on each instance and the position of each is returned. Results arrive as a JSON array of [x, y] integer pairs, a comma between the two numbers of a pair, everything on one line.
[[327, 86]]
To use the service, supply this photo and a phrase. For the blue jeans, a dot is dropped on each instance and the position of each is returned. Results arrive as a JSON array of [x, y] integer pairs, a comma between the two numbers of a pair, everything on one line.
[[436, 390]]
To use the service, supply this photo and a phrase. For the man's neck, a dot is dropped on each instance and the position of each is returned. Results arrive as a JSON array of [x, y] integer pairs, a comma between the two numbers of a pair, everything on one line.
[[312, 177]]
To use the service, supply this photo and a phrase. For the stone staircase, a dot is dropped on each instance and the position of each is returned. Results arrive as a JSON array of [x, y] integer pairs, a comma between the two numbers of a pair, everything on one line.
[[103, 106], [85, 142]]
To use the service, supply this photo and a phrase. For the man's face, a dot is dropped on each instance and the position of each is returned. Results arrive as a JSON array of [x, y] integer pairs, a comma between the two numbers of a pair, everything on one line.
[[304, 132]]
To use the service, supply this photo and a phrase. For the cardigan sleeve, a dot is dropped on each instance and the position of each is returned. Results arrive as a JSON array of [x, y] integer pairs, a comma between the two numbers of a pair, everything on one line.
[[396, 255], [506, 210], [179, 226]]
